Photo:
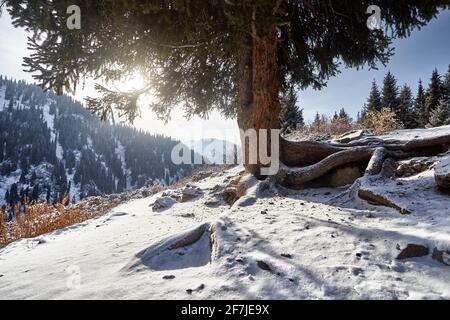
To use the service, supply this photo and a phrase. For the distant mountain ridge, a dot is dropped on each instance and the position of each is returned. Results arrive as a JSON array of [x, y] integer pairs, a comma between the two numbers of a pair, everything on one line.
[[50, 146], [216, 151]]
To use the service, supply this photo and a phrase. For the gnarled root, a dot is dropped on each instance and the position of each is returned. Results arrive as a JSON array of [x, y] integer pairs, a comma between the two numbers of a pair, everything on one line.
[[304, 163], [290, 176]]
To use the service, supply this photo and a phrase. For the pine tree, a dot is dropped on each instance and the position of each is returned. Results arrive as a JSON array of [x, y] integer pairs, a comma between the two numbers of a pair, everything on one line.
[[317, 123], [420, 108], [390, 92], [13, 195], [291, 114], [22, 178], [363, 113], [335, 116], [343, 114], [440, 116], [405, 108], [11, 105], [35, 194], [374, 102], [358, 118], [48, 195], [434, 94], [446, 85]]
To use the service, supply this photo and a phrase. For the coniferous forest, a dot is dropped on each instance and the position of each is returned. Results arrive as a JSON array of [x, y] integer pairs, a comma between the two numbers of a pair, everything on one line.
[[51, 148], [400, 106], [430, 107]]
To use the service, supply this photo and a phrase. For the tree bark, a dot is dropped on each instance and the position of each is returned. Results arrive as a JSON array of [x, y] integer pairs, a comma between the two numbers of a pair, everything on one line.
[[259, 105]]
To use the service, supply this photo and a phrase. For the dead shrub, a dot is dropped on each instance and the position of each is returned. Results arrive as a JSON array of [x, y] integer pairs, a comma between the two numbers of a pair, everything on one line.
[[325, 128], [381, 121], [35, 219]]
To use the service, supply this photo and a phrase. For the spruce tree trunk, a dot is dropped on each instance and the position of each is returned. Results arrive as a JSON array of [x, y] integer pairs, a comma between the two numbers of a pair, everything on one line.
[[303, 162], [259, 105]]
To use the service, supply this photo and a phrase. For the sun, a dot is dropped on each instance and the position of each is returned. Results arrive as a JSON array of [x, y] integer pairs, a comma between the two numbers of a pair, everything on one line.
[[130, 83]]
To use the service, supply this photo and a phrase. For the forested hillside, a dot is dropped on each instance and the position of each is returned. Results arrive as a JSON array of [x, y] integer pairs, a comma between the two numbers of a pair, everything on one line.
[[50, 146]]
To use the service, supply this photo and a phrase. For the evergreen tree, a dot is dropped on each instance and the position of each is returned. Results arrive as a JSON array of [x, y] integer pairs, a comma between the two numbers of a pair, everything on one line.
[[48, 195], [317, 123], [440, 116], [374, 102], [22, 178], [405, 108], [434, 94], [33, 178], [291, 115], [420, 107], [343, 114], [35, 194], [390, 92], [11, 105], [362, 114], [358, 118], [446, 85], [13, 195], [335, 116]]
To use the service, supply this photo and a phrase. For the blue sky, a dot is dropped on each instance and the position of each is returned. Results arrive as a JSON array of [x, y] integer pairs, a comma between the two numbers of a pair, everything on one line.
[[415, 57]]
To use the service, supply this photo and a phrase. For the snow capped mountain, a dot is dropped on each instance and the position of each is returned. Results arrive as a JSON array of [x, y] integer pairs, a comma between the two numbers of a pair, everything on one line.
[[50, 146]]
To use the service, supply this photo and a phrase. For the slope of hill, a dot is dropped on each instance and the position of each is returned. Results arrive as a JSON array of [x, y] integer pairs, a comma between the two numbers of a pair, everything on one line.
[[51, 146], [198, 242]]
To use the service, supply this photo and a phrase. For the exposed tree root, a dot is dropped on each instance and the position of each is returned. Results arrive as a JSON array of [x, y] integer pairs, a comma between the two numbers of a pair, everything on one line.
[[291, 176], [376, 162], [305, 153], [378, 199], [190, 237], [304, 162], [442, 141]]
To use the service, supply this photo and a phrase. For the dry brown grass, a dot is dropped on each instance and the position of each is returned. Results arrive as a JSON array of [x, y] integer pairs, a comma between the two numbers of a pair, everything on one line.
[[42, 218]]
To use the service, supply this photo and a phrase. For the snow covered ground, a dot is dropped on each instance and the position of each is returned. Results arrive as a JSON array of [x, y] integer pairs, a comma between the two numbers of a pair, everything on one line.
[[272, 243]]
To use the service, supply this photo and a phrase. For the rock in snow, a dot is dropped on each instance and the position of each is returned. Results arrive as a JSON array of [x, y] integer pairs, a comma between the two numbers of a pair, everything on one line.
[[442, 172], [163, 203], [442, 256], [190, 192], [413, 251]]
